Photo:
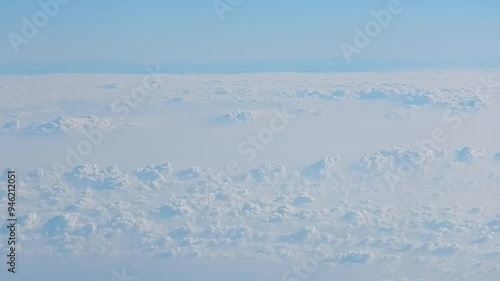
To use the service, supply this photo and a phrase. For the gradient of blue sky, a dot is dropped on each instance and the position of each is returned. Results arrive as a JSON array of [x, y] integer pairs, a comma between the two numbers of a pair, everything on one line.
[[154, 31]]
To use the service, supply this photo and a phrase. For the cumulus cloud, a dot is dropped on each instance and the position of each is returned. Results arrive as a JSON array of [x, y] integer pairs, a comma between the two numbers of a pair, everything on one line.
[[10, 126], [469, 155], [325, 168], [272, 212], [267, 173], [90, 176], [68, 125], [398, 161], [193, 173], [35, 175], [29, 221], [200, 215], [153, 173], [237, 116]]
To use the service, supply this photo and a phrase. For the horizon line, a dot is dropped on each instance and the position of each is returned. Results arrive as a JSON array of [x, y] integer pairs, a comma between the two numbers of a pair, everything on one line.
[[291, 66]]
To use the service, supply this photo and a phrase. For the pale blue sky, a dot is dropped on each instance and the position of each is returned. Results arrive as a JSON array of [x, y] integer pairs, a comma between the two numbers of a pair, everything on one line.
[[190, 31]]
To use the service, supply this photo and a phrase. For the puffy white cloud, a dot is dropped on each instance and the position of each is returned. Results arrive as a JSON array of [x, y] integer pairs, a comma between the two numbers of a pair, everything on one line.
[[237, 116], [269, 212], [398, 161], [28, 221], [68, 125], [469, 155], [324, 168], [201, 215], [153, 173], [91, 176], [36, 175], [195, 173], [267, 173], [201, 210]]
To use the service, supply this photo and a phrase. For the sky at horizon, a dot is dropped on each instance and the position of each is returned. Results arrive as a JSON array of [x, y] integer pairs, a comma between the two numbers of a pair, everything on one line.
[[154, 31]]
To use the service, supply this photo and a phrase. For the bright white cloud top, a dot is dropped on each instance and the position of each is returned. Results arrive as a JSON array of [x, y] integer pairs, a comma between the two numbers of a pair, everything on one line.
[[360, 176]]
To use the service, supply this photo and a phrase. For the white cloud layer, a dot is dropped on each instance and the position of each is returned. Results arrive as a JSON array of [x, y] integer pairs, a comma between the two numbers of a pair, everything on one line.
[[340, 191]]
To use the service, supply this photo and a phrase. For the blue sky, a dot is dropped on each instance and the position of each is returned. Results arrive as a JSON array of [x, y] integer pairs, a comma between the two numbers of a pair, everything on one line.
[[165, 31]]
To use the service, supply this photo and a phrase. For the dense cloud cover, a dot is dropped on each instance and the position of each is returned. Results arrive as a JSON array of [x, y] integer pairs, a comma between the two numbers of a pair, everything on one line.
[[345, 176]]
